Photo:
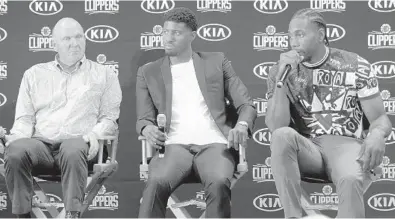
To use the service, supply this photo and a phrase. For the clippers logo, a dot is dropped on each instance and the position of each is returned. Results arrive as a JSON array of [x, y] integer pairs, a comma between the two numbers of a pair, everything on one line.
[[384, 69], [328, 5], [382, 40], [388, 102], [268, 203], [270, 40], [157, 6], [327, 197], [150, 41], [3, 34], [41, 42], [214, 5], [262, 136], [53, 200], [382, 5], [391, 137], [101, 6], [214, 32], [3, 70], [3, 99], [262, 70], [101, 34], [3, 7], [3, 200], [260, 105], [270, 6], [46, 7], [105, 200], [113, 65], [382, 202], [388, 168], [334, 32], [262, 172]]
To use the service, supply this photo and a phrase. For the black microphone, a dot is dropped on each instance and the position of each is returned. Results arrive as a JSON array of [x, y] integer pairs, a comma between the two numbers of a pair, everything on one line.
[[161, 119], [284, 75]]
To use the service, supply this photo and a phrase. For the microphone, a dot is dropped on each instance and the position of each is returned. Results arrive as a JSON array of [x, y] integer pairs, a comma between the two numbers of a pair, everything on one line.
[[161, 119], [284, 75]]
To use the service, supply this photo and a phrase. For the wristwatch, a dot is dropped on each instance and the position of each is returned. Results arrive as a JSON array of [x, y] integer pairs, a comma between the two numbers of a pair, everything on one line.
[[243, 123]]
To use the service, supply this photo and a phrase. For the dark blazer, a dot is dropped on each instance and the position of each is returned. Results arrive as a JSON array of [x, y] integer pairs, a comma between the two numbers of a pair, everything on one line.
[[217, 81]]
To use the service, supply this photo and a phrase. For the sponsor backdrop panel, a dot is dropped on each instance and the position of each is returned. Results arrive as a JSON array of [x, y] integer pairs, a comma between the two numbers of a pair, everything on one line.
[[125, 35]]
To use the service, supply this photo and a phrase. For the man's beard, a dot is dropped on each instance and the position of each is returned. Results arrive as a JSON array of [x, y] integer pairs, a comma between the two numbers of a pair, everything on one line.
[[171, 53]]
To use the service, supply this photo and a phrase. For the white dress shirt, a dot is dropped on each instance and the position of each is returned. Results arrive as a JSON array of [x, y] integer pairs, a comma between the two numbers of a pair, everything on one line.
[[191, 121], [58, 105]]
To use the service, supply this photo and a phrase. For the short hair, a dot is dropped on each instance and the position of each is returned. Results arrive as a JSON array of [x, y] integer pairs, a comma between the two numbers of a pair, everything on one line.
[[182, 15], [315, 17]]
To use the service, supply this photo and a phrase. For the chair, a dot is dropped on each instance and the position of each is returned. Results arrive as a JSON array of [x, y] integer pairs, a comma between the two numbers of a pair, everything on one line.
[[96, 178], [174, 204]]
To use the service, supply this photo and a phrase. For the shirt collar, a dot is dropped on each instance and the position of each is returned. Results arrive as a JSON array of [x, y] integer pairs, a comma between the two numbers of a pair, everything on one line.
[[313, 65], [77, 66]]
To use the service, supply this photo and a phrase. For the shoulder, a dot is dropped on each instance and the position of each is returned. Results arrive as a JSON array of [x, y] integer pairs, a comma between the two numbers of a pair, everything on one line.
[[152, 66], [212, 56]]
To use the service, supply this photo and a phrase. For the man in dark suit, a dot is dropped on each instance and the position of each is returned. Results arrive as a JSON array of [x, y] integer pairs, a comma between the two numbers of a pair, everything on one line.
[[191, 90]]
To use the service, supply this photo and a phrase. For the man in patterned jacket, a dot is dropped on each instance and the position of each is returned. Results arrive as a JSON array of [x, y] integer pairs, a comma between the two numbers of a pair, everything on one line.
[[325, 98], [62, 107]]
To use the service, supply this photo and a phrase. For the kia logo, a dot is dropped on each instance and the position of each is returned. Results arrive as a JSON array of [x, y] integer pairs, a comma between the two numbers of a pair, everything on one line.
[[214, 32], [54, 200], [391, 137], [3, 99], [382, 202], [157, 6], [262, 70], [268, 203], [334, 32], [262, 136], [270, 6], [101, 34], [382, 6], [384, 69], [46, 7], [3, 34]]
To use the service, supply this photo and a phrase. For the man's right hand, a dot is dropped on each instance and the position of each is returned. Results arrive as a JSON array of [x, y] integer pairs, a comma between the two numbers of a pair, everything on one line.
[[288, 58], [155, 137]]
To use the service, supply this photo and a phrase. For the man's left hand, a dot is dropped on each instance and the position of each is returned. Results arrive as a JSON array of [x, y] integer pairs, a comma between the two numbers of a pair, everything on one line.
[[238, 135], [93, 145], [374, 149]]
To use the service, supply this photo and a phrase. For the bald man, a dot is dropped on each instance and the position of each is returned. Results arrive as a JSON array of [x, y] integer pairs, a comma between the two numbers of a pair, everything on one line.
[[62, 107]]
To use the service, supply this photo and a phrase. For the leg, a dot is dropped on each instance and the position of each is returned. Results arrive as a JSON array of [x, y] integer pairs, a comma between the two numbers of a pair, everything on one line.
[[72, 160], [21, 156], [340, 154], [215, 167], [293, 154], [165, 175]]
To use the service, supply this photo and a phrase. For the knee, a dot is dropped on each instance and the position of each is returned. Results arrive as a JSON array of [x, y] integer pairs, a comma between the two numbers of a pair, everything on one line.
[[158, 180], [73, 150], [282, 140], [350, 181], [218, 184], [16, 151]]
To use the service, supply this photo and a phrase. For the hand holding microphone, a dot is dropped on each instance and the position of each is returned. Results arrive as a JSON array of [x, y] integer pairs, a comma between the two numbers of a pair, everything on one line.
[[154, 136], [161, 119], [288, 60]]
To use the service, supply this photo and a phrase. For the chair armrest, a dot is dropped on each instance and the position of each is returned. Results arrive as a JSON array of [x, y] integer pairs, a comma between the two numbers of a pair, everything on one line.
[[146, 150], [111, 140], [242, 166]]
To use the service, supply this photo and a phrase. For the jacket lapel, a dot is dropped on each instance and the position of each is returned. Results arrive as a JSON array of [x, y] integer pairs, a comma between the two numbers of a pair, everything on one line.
[[167, 79], [200, 70]]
